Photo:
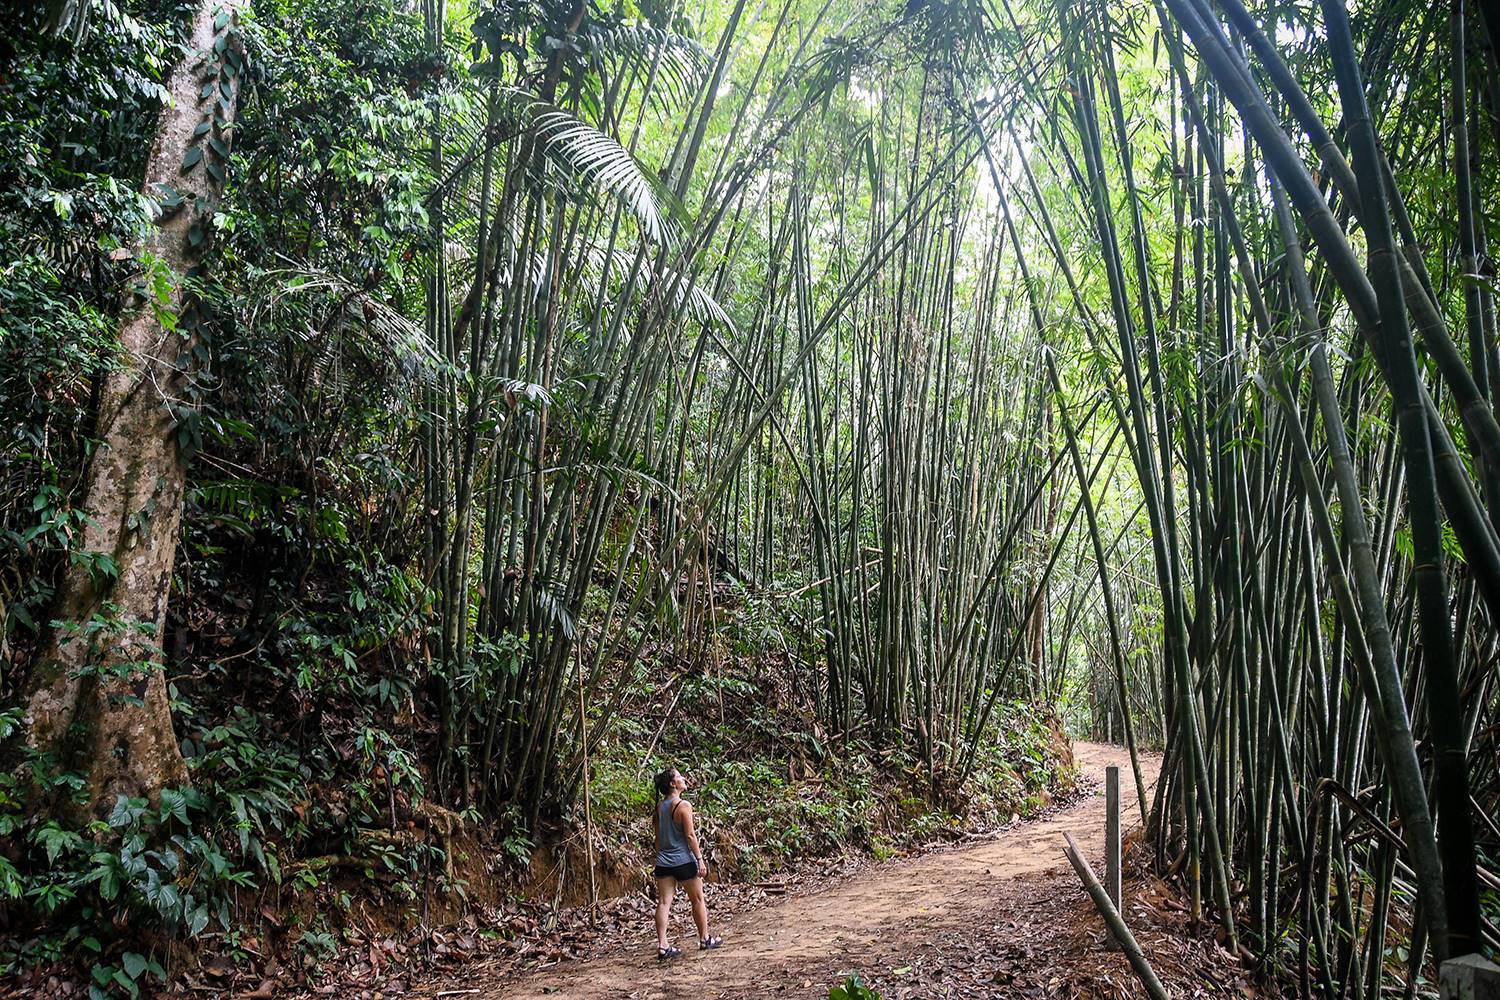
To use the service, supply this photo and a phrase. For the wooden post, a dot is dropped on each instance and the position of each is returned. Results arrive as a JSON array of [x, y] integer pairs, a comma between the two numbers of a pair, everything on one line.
[[1112, 881], [1112, 877]]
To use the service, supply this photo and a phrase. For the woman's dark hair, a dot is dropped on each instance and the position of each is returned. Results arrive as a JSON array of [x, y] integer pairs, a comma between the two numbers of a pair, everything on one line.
[[664, 781]]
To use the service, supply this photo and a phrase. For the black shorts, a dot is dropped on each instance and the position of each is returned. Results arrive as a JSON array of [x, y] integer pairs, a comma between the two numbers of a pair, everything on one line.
[[682, 873]]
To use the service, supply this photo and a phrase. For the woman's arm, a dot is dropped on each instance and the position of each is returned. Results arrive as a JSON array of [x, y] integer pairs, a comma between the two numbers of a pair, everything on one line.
[[656, 829], [691, 832]]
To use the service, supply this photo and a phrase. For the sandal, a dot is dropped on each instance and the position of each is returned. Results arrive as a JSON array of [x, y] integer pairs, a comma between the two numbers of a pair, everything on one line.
[[710, 942], [669, 952]]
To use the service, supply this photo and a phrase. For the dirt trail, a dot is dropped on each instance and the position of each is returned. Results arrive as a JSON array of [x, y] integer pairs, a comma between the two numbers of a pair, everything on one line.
[[799, 944]]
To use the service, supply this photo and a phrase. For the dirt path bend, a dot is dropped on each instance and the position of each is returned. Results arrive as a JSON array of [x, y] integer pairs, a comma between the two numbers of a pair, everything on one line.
[[880, 918]]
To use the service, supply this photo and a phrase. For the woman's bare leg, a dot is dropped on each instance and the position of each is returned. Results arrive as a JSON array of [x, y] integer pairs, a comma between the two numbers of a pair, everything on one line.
[[700, 908], [666, 888]]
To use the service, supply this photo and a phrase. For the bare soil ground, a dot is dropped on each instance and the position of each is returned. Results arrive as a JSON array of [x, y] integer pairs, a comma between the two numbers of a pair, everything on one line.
[[1001, 917]]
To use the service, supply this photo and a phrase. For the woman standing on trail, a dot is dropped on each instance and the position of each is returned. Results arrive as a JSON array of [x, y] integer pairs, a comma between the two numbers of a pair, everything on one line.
[[678, 859]]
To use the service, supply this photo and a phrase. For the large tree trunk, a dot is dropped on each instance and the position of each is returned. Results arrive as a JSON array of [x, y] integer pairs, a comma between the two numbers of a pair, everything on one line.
[[97, 700]]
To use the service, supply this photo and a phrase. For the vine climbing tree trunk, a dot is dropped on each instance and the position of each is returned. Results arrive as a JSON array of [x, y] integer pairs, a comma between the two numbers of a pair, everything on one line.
[[97, 699]]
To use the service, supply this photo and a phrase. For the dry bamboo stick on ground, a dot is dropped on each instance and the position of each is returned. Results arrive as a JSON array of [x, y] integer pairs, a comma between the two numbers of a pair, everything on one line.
[[1116, 923]]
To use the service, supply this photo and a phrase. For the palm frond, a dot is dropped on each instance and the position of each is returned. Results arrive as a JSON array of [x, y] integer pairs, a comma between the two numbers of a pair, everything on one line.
[[404, 339], [696, 301], [553, 605], [532, 270], [680, 62], [706, 309], [237, 504], [590, 155]]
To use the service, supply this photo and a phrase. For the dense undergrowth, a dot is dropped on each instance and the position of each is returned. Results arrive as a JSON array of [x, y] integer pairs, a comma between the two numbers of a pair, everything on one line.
[[284, 847], [770, 800], [795, 393], [308, 803]]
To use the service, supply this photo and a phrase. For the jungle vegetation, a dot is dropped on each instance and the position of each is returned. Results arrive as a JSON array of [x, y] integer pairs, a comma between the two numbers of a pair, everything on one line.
[[429, 400]]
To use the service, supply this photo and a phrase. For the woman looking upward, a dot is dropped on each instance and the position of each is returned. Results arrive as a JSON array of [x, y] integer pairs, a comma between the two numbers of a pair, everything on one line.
[[679, 860]]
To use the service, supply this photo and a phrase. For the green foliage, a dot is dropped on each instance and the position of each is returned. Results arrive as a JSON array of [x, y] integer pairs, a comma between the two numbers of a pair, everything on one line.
[[494, 332], [308, 653], [853, 988], [175, 867], [125, 976], [770, 795], [179, 868]]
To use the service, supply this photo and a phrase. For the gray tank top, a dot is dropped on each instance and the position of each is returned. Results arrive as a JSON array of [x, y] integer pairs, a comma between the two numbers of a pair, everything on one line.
[[672, 843]]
